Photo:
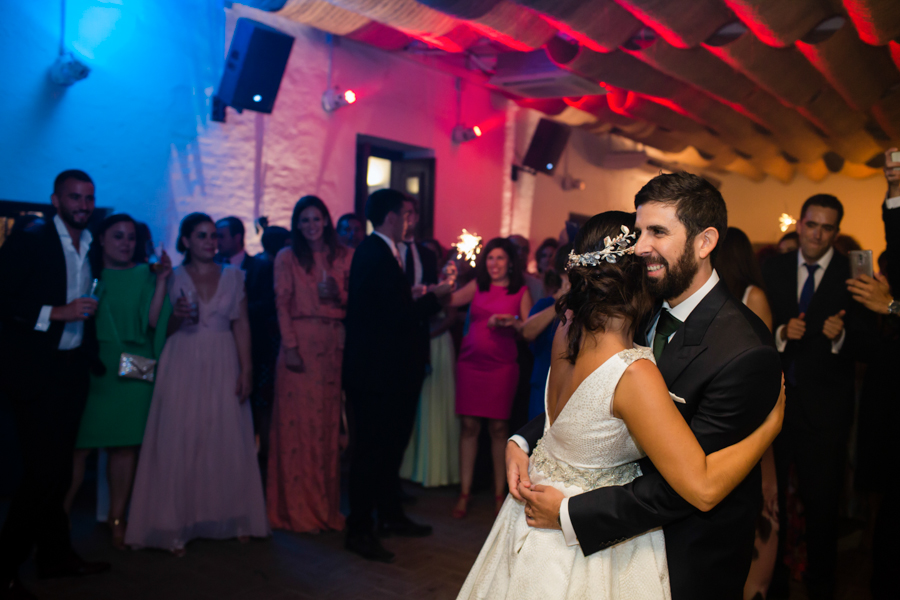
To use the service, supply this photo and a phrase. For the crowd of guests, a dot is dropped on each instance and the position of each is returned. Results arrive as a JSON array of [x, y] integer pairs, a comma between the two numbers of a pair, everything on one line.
[[226, 389]]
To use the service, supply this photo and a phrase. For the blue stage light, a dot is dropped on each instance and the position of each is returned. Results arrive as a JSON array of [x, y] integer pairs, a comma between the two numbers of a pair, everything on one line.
[[549, 166], [257, 98]]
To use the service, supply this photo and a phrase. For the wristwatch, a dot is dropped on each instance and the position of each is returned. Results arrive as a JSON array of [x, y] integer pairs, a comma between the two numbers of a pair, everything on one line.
[[894, 307]]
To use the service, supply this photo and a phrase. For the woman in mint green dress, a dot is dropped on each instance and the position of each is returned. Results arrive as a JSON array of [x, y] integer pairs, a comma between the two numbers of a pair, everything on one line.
[[132, 302]]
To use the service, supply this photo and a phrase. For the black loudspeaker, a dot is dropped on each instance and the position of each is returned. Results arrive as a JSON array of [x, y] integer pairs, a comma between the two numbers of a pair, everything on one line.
[[254, 66], [547, 144]]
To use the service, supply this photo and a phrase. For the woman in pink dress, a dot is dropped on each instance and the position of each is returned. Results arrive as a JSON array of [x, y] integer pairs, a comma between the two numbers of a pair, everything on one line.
[[486, 371], [198, 476], [303, 489]]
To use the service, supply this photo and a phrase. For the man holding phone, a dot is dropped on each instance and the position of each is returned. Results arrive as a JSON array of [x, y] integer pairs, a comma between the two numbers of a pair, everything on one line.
[[810, 304], [878, 397]]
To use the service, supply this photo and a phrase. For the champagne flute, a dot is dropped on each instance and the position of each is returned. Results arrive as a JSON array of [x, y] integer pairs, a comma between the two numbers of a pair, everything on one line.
[[94, 292]]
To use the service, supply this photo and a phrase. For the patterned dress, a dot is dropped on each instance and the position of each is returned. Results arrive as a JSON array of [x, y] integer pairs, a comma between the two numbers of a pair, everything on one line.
[[303, 487]]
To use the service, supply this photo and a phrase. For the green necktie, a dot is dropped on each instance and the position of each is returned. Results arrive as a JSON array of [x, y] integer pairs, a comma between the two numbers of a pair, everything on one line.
[[665, 327]]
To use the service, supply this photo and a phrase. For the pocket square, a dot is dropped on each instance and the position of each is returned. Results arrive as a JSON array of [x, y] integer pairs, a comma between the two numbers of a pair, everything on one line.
[[677, 398]]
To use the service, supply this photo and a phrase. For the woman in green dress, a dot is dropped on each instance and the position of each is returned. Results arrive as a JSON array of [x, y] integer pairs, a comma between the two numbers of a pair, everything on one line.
[[132, 302]]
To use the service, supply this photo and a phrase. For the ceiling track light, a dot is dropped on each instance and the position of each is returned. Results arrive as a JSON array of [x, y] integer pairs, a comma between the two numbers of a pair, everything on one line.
[[334, 99], [67, 69], [462, 134]]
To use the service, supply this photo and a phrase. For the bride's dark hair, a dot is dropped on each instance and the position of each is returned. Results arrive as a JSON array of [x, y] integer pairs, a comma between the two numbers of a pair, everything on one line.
[[606, 291]]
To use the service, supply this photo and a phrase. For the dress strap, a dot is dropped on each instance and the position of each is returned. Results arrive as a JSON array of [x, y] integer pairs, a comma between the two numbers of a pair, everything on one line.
[[629, 355]]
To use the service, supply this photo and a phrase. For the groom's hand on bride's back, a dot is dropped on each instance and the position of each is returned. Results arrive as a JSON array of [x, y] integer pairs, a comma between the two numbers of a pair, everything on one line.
[[516, 470]]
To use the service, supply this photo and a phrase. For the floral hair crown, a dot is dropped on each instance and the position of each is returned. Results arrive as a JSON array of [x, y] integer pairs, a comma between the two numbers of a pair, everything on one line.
[[614, 249]]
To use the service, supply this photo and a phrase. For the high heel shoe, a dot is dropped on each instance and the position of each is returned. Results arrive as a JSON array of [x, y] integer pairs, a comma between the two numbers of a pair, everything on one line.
[[118, 534], [459, 513]]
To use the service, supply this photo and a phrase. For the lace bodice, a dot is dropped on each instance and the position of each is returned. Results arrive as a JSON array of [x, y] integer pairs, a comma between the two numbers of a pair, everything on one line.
[[586, 438]]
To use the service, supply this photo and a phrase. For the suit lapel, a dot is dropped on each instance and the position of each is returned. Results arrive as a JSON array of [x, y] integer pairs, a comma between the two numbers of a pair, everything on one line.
[[687, 343], [789, 285], [58, 277]]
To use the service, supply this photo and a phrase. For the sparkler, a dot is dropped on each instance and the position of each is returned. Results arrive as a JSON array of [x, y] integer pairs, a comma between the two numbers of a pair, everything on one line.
[[468, 246], [785, 221]]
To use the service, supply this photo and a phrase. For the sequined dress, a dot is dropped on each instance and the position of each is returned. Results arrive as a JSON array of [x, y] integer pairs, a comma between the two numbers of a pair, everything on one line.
[[585, 448]]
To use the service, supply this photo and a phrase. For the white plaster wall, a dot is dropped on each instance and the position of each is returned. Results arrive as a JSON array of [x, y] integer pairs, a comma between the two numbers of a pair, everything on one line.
[[753, 207], [261, 164], [606, 189], [139, 123], [153, 66]]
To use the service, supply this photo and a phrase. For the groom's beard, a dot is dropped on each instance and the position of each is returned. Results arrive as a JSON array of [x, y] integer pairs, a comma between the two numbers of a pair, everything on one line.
[[677, 279]]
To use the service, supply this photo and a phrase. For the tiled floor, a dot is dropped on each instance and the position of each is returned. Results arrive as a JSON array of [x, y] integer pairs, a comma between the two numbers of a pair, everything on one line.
[[292, 566], [296, 566]]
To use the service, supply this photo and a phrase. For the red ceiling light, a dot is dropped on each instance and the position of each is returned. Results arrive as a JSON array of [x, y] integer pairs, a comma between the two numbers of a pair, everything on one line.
[[462, 134], [334, 99]]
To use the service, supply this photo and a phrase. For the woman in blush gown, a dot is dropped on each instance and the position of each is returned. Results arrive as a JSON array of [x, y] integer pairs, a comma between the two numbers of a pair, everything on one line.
[[304, 487], [487, 372], [198, 476], [606, 405]]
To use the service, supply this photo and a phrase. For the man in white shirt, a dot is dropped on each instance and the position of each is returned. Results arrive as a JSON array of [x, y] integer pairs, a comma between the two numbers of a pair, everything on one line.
[[47, 346], [810, 306]]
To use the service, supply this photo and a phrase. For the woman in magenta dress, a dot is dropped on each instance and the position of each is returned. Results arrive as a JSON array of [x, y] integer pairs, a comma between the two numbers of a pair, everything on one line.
[[303, 489], [486, 371], [198, 476]]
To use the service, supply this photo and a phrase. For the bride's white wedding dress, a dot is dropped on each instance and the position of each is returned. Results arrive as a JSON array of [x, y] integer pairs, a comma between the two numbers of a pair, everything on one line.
[[585, 448]]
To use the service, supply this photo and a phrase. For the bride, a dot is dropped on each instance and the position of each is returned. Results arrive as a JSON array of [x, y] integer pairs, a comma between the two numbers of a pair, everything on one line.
[[607, 406]]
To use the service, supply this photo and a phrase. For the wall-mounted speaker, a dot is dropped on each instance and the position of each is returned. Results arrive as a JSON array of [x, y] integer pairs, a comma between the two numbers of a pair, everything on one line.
[[547, 144], [254, 66]]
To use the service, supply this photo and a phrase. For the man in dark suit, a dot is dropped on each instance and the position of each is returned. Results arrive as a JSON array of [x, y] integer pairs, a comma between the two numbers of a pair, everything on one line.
[[351, 230], [810, 302], [724, 375], [47, 346], [880, 299], [230, 234], [420, 264], [265, 337], [384, 366]]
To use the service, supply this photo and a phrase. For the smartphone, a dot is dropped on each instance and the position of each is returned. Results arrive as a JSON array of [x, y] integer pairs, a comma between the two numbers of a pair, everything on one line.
[[861, 263], [895, 157]]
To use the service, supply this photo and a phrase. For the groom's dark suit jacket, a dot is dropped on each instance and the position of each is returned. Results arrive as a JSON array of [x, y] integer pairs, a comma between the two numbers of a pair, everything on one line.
[[722, 363]]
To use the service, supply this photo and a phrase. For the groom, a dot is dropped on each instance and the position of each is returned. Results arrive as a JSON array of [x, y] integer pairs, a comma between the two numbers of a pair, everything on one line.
[[723, 372]]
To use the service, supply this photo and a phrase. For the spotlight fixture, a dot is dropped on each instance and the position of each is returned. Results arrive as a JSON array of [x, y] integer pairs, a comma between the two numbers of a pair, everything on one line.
[[462, 134], [67, 70], [334, 99], [570, 183]]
